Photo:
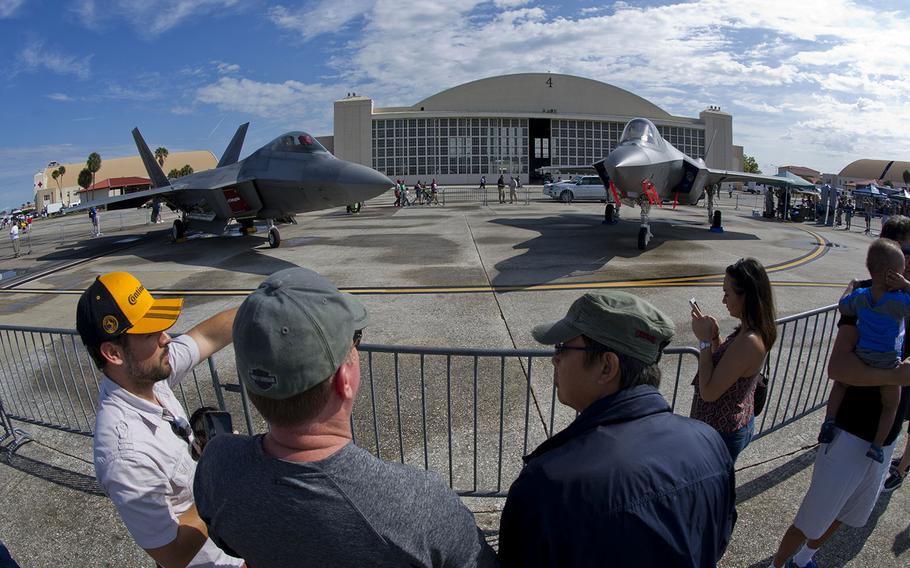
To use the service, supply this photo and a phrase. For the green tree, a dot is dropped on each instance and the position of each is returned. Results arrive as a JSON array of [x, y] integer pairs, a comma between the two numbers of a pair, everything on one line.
[[186, 170], [56, 174], [93, 163], [750, 165], [890, 184], [61, 170], [85, 178], [161, 154], [174, 173]]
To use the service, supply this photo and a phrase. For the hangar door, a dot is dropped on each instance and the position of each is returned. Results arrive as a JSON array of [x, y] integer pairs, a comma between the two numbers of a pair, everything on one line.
[[538, 146]]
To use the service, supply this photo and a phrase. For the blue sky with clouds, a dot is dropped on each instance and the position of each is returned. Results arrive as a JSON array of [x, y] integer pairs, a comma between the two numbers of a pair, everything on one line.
[[815, 82]]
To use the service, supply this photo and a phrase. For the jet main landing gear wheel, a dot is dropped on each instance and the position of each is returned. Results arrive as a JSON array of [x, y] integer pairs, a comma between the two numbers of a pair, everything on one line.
[[644, 237], [274, 238], [610, 214], [178, 231]]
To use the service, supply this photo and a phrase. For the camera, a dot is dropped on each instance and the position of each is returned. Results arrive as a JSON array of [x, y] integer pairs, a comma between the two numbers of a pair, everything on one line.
[[208, 422]]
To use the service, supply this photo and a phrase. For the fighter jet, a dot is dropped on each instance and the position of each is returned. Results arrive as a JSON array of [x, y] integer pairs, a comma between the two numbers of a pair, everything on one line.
[[291, 174], [645, 169]]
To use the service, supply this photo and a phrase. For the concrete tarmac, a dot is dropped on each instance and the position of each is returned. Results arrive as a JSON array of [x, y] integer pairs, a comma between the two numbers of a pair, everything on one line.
[[465, 275]]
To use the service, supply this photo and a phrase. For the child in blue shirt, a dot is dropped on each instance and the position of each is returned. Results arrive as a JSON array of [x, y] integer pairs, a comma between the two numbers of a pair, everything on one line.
[[881, 310]]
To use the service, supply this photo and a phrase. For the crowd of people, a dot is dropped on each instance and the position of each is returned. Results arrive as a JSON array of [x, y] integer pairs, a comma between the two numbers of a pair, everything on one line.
[[423, 194], [628, 482]]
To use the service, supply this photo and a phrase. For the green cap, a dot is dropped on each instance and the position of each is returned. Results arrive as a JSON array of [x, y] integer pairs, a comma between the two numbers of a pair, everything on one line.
[[294, 332], [623, 322]]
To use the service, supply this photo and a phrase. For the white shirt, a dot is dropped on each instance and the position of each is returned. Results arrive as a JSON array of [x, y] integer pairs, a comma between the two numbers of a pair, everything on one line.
[[143, 466], [14, 231]]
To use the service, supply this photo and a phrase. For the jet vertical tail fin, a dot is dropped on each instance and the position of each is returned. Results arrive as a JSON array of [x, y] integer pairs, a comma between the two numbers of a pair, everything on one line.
[[156, 174], [232, 152]]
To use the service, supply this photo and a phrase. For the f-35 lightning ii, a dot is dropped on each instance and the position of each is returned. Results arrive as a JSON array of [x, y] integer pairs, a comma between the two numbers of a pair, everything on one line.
[[644, 169], [291, 174]]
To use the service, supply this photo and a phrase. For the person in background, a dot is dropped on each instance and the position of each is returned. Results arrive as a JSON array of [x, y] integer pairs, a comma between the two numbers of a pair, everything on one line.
[[501, 186], [729, 371], [14, 237]]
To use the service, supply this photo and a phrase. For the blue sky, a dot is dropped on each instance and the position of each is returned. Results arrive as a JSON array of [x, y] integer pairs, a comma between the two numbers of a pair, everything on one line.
[[815, 82]]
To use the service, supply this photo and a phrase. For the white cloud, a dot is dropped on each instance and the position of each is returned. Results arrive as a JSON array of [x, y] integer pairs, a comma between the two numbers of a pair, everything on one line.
[[320, 16], [288, 101], [8, 7], [35, 57], [225, 68], [150, 17], [61, 97], [765, 60]]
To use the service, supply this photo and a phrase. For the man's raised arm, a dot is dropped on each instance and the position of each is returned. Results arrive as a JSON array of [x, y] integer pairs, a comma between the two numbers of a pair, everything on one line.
[[214, 333]]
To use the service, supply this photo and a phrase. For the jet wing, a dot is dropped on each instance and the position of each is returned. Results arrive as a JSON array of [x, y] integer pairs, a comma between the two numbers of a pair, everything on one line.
[[127, 201], [721, 176]]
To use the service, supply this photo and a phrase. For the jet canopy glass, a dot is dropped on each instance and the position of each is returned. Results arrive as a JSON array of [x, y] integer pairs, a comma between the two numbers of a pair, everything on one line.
[[640, 130], [297, 142]]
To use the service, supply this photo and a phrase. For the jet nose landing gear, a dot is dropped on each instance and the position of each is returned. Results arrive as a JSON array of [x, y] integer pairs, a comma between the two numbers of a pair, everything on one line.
[[274, 235]]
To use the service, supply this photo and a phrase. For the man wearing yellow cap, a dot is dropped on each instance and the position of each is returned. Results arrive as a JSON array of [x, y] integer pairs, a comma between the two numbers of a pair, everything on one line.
[[142, 438]]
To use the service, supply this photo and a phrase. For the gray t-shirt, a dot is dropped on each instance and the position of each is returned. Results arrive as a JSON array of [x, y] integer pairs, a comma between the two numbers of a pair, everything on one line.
[[350, 509]]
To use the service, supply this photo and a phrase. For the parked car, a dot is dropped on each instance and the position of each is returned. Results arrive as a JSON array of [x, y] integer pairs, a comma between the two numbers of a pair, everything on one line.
[[578, 188]]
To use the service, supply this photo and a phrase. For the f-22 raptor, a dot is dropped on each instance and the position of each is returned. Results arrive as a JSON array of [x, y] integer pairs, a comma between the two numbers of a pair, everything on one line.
[[291, 174], [644, 168]]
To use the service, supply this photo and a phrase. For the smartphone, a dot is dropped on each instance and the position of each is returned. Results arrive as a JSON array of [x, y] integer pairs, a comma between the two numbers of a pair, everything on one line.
[[694, 303], [216, 422]]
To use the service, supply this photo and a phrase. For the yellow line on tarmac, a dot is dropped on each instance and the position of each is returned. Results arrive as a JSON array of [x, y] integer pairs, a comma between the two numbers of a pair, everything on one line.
[[674, 281]]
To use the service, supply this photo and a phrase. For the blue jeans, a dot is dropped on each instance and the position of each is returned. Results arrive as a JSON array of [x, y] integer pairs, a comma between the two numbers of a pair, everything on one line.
[[737, 441]]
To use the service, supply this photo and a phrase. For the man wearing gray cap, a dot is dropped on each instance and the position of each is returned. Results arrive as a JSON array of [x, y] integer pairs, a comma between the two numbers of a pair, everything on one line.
[[628, 483], [303, 494]]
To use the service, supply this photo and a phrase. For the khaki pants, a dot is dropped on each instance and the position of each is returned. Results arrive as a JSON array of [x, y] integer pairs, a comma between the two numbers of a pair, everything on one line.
[[502, 195], [16, 247], [512, 195]]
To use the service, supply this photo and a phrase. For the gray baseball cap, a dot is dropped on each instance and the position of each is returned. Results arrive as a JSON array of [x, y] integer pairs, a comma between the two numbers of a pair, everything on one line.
[[623, 322], [294, 332]]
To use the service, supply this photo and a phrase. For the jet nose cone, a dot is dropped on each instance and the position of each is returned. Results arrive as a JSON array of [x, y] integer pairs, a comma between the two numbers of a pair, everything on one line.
[[363, 182], [625, 163]]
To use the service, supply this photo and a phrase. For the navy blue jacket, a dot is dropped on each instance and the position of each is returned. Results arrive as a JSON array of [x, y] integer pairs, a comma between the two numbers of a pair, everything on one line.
[[628, 483]]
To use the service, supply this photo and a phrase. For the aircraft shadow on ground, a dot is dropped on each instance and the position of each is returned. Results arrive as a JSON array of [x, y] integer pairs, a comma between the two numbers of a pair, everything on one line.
[[230, 252], [580, 246]]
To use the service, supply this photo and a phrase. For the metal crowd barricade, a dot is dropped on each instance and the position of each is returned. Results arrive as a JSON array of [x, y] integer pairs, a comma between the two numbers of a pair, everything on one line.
[[467, 414]]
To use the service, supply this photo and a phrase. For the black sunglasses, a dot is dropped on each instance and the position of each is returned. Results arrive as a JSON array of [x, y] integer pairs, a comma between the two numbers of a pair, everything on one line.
[[358, 335], [562, 348]]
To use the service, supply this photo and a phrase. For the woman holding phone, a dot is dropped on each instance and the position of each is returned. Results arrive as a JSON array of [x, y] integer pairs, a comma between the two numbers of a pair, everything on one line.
[[728, 371]]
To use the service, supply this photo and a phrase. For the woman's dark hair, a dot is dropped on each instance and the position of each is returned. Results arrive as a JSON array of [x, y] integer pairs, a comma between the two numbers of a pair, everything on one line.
[[749, 279]]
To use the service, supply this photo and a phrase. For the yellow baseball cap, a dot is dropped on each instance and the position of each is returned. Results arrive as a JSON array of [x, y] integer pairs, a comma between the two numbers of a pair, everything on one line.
[[117, 303]]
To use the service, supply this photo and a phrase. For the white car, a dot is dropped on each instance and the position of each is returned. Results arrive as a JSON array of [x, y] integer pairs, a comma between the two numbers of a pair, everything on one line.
[[578, 188]]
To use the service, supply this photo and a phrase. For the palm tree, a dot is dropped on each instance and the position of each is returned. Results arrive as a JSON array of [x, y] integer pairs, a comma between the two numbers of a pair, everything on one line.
[[160, 154], [61, 170], [55, 174], [94, 164], [85, 178], [186, 170], [174, 173]]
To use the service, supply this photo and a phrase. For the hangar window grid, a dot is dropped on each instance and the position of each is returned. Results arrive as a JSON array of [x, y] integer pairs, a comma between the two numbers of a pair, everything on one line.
[[583, 142], [439, 146]]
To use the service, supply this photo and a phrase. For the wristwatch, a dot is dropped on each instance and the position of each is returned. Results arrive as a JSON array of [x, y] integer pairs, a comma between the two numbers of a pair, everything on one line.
[[702, 345]]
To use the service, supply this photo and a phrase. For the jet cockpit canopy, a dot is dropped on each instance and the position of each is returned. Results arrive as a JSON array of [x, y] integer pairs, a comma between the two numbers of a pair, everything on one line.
[[640, 130], [297, 142]]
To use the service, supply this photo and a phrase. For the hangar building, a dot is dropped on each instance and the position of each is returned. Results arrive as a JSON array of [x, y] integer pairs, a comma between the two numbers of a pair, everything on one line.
[[515, 124]]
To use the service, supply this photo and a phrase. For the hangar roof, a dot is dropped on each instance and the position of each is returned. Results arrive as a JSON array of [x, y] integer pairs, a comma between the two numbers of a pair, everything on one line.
[[541, 92], [884, 170]]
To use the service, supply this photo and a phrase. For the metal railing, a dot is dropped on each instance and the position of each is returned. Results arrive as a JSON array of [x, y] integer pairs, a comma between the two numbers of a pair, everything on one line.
[[467, 414]]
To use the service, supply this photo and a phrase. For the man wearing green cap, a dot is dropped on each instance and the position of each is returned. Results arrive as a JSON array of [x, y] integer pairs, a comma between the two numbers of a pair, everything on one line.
[[628, 483], [303, 494]]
